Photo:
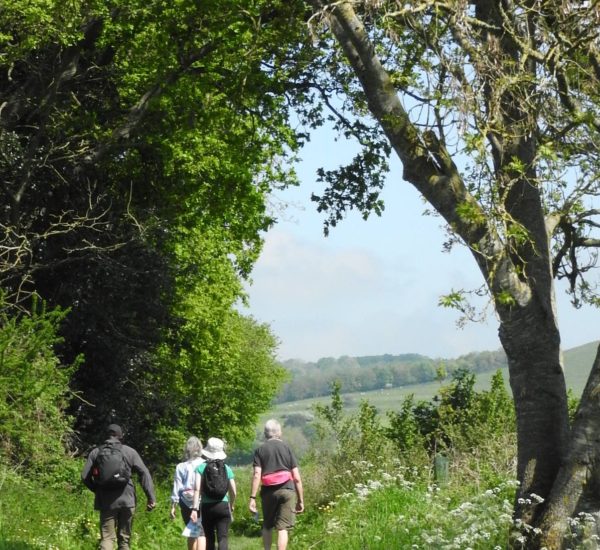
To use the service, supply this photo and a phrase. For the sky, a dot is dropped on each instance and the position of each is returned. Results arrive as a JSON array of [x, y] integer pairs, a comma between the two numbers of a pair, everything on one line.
[[372, 287]]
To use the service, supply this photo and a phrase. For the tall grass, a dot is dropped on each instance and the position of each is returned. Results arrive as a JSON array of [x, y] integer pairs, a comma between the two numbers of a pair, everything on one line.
[[39, 515], [401, 508], [398, 508], [396, 505]]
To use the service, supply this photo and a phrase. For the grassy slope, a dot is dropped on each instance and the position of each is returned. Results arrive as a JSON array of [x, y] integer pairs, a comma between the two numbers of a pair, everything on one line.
[[578, 363]]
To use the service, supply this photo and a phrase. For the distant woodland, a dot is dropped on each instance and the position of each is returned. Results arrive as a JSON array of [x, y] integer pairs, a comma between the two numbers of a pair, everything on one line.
[[314, 379]]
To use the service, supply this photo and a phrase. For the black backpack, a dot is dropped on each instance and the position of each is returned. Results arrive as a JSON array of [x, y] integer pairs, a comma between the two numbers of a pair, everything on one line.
[[110, 470], [214, 480]]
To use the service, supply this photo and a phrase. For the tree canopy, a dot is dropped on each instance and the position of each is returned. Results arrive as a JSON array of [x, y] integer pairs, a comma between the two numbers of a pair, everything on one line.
[[138, 142]]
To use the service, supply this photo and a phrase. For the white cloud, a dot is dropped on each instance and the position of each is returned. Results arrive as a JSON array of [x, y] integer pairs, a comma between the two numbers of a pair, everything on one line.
[[323, 300]]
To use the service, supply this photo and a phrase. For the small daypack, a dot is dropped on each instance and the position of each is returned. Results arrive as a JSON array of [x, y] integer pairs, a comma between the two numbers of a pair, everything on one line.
[[214, 480], [110, 470]]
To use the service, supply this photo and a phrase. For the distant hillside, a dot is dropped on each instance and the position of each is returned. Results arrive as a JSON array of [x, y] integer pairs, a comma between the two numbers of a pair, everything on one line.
[[578, 363], [368, 373]]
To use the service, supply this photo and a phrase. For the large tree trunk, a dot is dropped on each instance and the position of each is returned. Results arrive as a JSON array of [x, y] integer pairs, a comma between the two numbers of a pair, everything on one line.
[[576, 490], [532, 345]]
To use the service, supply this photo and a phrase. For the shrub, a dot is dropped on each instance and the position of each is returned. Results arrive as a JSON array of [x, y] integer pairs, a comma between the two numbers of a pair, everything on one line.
[[347, 448], [457, 418], [34, 392]]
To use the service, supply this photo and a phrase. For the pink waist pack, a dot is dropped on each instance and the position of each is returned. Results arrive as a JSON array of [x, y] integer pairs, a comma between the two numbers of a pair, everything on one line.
[[276, 478]]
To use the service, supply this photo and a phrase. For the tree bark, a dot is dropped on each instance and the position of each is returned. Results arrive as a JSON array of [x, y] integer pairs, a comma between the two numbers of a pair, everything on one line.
[[576, 490], [532, 344]]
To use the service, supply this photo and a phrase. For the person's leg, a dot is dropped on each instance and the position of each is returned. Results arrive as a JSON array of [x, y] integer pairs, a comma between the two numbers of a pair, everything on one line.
[[108, 529], [197, 544], [269, 510], [186, 512], [282, 539], [284, 516], [208, 524], [267, 535], [223, 520], [124, 527]]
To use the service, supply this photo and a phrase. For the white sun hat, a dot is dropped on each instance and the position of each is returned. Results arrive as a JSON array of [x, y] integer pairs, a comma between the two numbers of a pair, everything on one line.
[[214, 449]]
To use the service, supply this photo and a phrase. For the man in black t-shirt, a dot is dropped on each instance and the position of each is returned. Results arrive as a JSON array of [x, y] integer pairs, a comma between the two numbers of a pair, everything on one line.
[[276, 473]]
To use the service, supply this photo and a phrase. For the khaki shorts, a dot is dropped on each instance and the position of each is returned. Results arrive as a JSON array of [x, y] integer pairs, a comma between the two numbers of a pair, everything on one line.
[[278, 508]]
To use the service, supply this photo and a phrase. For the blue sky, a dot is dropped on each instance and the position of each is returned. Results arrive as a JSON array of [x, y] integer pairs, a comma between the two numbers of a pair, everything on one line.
[[372, 287]]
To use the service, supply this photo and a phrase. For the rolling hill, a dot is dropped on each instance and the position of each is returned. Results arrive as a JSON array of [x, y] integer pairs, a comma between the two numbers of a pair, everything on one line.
[[578, 362]]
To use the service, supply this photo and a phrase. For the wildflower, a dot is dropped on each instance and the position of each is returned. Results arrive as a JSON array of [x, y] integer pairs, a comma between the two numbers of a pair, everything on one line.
[[333, 526], [586, 517], [374, 485]]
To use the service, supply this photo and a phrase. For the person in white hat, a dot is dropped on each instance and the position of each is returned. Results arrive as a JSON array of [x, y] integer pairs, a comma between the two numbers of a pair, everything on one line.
[[214, 495]]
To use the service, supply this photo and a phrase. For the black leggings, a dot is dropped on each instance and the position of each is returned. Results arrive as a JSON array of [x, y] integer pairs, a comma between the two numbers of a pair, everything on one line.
[[216, 518], [186, 512]]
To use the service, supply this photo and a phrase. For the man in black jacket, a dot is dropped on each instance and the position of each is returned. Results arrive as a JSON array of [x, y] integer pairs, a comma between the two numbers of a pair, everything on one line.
[[117, 503]]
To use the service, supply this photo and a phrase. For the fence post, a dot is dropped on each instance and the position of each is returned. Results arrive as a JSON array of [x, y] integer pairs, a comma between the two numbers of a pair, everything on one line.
[[440, 469]]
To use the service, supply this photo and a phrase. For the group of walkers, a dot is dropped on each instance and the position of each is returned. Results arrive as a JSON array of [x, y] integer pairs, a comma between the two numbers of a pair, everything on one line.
[[204, 489]]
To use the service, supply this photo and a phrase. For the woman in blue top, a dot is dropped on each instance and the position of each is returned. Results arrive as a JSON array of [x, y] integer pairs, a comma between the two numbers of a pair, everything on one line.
[[216, 513]]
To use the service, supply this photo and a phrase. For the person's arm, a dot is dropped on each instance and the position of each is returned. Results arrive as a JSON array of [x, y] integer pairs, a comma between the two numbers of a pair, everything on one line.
[[196, 501], [177, 484], [137, 465], [86, 473], [231, 491], [254, 488], [299, 490]]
